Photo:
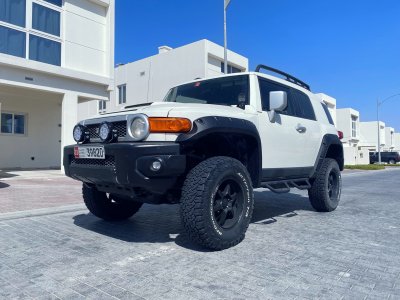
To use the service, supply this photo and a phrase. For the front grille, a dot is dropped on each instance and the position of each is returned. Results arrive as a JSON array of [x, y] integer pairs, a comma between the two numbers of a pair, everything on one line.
[[120, 126], [109, 161], [93, 131]]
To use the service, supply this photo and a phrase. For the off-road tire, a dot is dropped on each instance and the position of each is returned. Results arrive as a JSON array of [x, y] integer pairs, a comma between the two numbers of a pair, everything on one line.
[[319, 193], [201, 197], [108, 207]]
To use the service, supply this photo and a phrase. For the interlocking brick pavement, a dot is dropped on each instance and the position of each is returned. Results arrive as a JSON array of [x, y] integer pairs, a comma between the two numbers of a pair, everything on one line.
[[290, 252], [36, 190]]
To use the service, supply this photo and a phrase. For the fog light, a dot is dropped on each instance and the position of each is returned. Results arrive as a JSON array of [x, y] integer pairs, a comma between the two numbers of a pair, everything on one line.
[[156, 166]]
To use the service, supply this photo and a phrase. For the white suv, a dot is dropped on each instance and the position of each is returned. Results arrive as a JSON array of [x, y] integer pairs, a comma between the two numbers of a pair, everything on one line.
[[207, 146]]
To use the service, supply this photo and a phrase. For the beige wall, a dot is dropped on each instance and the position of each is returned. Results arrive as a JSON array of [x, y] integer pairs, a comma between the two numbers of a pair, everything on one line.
[[43, 132]]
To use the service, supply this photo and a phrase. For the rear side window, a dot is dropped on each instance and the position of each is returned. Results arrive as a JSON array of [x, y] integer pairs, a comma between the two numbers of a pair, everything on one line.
[[328, 114], [304, 107]]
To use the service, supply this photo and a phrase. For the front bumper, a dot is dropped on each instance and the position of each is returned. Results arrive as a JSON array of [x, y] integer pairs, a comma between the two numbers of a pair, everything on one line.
[[126, 167]]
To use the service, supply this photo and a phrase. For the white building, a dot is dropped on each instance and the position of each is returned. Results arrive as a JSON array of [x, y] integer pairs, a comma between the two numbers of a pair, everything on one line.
[[348, 121], [369, 135], [54, 56], [149, 79], [397, 141], [389, 138]]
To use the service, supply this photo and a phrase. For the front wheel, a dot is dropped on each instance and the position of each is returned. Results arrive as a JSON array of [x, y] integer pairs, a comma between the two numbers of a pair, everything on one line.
[[392, 162], [109, 207], [326, 189], [217, 203]]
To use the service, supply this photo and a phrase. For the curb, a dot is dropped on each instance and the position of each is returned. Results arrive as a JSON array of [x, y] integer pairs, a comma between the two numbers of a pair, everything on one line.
[[42, 212]]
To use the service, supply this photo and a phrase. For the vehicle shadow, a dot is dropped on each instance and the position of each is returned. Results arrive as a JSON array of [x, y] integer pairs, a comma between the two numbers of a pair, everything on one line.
[[6, 174], [161, 224], [3, 185]]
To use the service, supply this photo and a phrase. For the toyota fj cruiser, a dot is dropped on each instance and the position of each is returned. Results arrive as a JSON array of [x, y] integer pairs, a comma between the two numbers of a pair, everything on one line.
[[207, 146]]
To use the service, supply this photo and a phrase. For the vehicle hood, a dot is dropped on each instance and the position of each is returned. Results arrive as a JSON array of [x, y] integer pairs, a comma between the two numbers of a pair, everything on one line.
[[172, 109]]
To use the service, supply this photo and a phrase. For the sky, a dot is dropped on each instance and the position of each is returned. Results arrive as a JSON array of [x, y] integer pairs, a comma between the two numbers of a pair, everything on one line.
[[349, 50]]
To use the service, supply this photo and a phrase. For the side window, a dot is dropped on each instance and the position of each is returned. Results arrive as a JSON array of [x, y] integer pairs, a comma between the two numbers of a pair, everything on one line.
[[266, 87], [304, 107], [328, 114]]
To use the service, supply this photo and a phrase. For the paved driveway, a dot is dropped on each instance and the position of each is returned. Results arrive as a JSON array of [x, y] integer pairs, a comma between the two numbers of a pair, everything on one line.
[[29, 190], [290, 251]]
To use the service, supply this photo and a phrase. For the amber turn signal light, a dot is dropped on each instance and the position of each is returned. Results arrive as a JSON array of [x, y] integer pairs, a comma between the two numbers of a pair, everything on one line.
[[169, 125]]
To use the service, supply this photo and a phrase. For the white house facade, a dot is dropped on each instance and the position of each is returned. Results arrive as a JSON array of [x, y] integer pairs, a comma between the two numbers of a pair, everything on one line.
[[390, 139], [149, 79], [348, 121], [55, 57], [369, 135], [397, 141]]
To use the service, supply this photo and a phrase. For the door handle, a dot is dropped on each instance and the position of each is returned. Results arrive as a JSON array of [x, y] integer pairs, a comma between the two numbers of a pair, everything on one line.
[[301, 129]]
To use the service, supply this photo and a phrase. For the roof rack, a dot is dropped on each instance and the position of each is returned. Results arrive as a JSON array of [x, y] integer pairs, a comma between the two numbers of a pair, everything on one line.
[[289, 77]]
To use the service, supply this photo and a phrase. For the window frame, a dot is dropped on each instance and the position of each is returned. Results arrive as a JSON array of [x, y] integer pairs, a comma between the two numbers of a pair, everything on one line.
[[102, 106], [230, 68], [121, 87], [25, 115], [28, 29], [354, 120]]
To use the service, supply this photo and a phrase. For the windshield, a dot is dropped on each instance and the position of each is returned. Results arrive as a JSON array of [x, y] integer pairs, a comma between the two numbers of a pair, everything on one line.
[[220, 91]]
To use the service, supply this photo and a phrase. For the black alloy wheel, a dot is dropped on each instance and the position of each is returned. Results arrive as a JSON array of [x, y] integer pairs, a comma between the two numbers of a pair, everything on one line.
[[228, 203], [333, 185]]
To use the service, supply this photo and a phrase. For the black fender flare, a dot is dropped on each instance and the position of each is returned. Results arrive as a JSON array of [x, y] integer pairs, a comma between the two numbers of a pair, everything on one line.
[[327, 141], [224, 125]]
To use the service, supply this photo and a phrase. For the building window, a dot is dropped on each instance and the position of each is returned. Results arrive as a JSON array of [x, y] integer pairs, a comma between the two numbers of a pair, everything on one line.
[[46, 19], [122, 94], [13, 123], [55, 2], [231, 69], [102, 106], [41, 29], [44, 50], [12, 42], [354, 126], [13, 12]]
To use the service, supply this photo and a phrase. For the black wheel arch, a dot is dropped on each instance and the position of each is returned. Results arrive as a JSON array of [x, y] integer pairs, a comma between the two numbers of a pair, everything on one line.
[[231, 137], [331, 147]]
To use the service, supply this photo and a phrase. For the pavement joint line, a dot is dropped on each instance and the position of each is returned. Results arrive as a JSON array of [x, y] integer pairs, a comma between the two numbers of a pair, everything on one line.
[[42, 212]]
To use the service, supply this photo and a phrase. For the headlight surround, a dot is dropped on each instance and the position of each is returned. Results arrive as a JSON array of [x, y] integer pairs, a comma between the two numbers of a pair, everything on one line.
[[79, 133], [105, 132], [139, 127]]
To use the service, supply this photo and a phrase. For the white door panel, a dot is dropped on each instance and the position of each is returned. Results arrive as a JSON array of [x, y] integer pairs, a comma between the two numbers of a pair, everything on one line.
[[282, 144]]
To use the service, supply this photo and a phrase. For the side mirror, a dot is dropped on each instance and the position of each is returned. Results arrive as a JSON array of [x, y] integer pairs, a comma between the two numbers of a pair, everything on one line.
[[277, 103]]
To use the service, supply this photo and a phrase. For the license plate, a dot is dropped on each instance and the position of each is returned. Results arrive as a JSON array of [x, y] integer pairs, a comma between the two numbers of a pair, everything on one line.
[[90, 152]]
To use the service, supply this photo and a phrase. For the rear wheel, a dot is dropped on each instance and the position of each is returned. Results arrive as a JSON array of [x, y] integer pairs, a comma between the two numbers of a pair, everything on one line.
[[392, 162], [326, 189], [217, 203], [109, 207]]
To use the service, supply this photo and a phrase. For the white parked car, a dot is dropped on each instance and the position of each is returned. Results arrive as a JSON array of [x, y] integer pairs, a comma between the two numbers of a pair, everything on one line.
[[207, 146]]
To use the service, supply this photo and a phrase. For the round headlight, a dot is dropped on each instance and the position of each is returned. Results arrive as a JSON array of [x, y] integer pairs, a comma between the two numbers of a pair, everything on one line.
[[139, 128], [105, 132], [79, 133]]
